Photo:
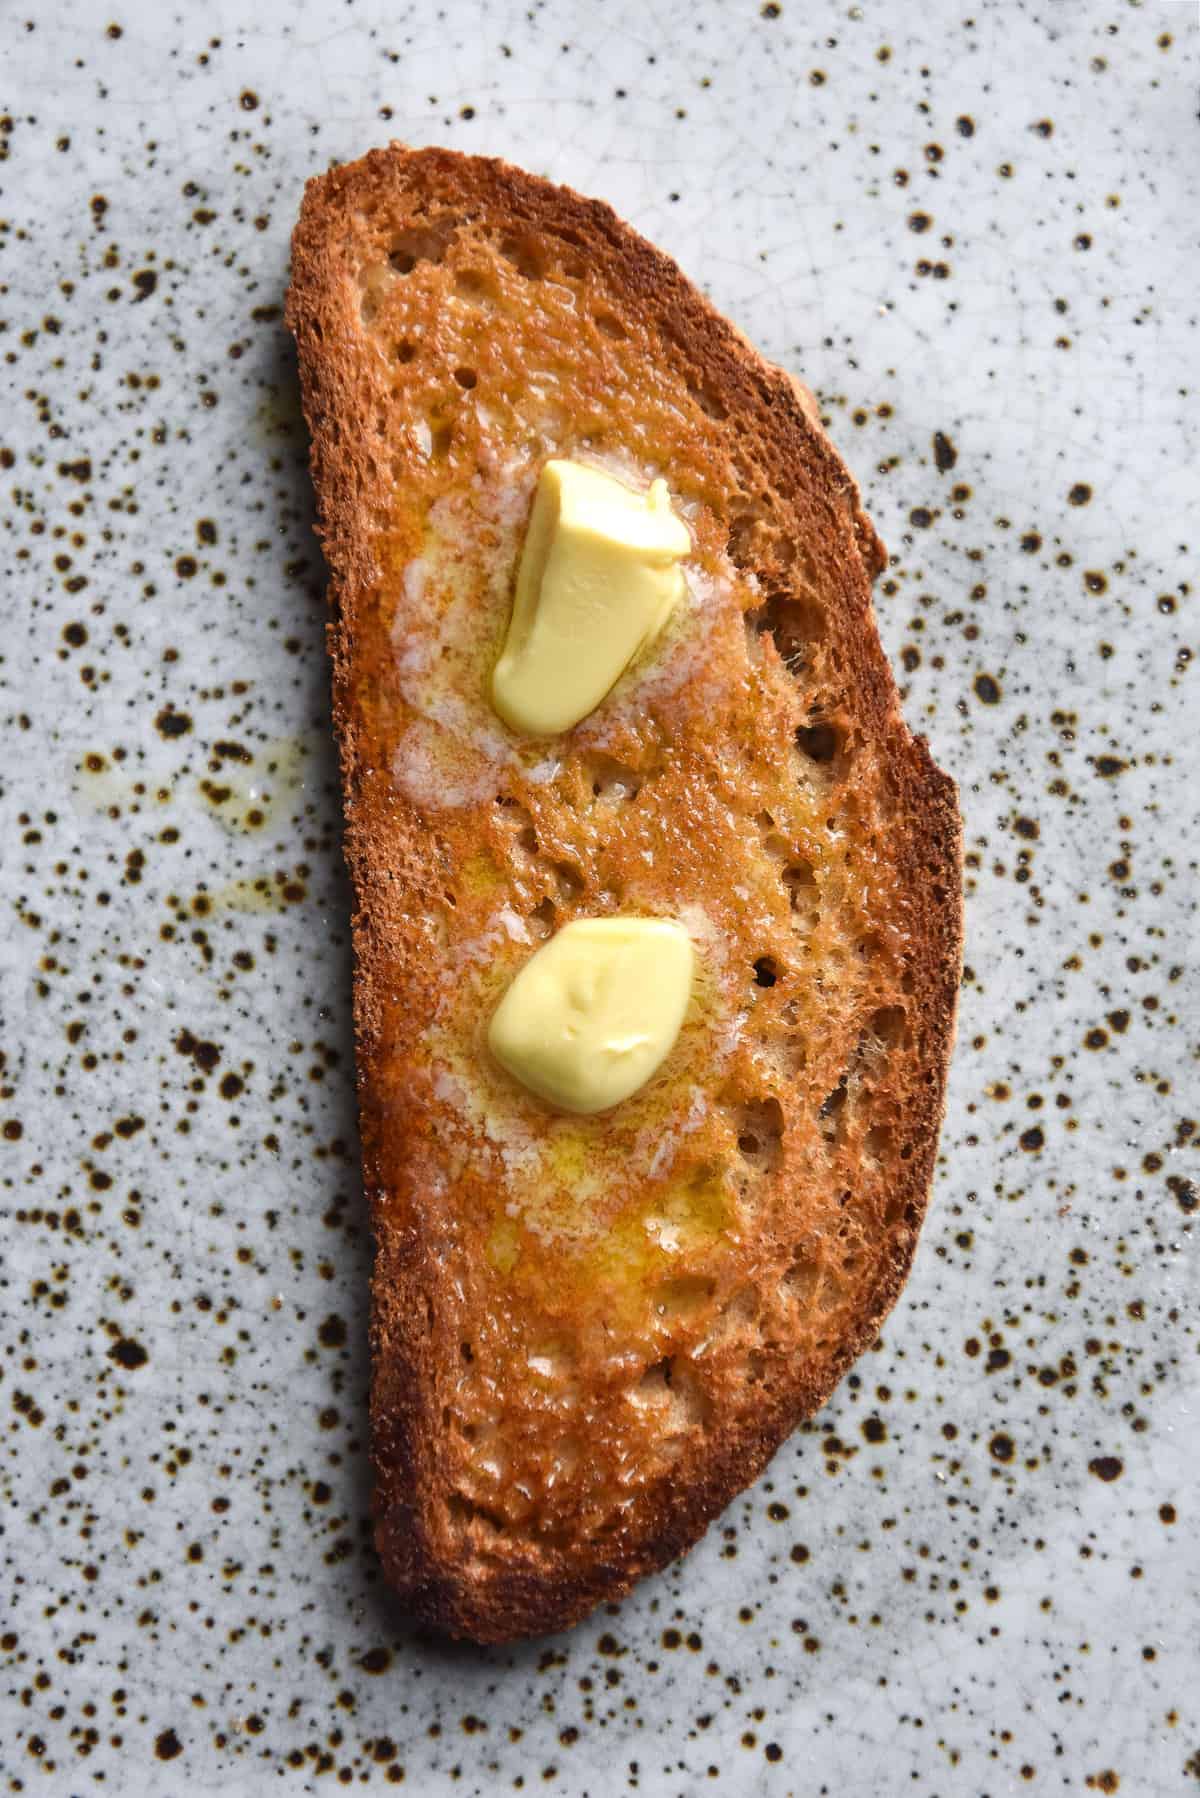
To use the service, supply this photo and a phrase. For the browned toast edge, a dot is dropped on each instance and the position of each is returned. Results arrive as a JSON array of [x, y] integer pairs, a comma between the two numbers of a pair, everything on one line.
[[764, 398]]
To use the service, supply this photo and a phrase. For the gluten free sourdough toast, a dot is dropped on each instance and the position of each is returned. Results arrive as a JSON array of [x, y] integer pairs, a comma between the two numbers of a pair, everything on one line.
[[589, 1333]]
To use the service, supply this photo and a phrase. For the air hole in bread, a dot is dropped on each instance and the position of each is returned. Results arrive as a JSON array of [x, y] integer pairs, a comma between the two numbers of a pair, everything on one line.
[[691, 1406], [568, 1451], [740, 1312], [374, 281], [404, 351], [475, 287], [791, 624], [527, 839], [906, 1152], [766, 971], [614, 780], [709, 402], [427, 243], [544, 917], [553, 1361], [760, 1134], [800, 879], [466, 1351], [672, 1383], [803, 1277], [462, 1512], [819, 742], [524, 253], [439, 442], [898, 1209], [683, 1298], [570, 880], [830, 1117], [830, 1294], [888, 1024], [654, 1387], [611, 326], [742, 541], [878, 1141], [466, 377]]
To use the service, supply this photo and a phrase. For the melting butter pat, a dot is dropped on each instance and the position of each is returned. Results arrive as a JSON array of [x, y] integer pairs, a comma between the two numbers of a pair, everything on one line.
[[595, 1012], [598, 579]]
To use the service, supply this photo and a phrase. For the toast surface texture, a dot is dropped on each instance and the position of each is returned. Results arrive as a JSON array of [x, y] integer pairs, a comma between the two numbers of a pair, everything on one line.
[[588, 1334]]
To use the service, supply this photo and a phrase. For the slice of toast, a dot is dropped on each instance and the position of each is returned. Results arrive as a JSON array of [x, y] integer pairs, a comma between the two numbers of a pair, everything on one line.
[[589, 1333]]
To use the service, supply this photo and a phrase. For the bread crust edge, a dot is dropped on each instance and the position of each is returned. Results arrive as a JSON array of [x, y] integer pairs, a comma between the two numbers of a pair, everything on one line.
[[514, 1601]]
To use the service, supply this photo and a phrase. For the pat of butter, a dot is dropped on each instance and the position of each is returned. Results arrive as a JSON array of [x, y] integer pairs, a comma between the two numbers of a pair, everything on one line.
[[598, 579], [595, 1012]]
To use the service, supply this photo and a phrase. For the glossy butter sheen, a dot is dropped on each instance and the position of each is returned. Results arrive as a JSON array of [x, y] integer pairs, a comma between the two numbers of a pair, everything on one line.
[[599, 577], [595, 1011]]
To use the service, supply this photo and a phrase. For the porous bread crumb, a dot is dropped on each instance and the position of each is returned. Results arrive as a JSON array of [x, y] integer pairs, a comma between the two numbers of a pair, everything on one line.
[[458, 322]]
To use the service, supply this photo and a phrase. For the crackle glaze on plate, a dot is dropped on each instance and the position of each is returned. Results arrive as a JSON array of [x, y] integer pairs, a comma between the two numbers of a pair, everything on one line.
[[972, 231]]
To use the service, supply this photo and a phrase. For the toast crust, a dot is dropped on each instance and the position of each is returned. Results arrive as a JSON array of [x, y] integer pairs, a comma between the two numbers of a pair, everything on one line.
[[587, 1339]]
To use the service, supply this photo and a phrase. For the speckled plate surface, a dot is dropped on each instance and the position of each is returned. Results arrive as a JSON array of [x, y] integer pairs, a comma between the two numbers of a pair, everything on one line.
[[973, 232]]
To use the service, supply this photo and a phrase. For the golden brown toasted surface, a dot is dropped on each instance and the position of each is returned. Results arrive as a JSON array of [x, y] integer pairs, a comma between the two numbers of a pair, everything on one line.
[[588, 1333]]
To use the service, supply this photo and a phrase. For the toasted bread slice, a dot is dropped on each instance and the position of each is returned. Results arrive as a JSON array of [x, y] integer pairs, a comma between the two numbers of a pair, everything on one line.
[[589, 1333]]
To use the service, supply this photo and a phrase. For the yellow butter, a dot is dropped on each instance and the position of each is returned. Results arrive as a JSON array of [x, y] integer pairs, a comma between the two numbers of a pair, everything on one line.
[[594, 1013], [598, 579]]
